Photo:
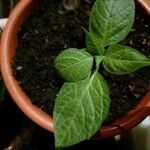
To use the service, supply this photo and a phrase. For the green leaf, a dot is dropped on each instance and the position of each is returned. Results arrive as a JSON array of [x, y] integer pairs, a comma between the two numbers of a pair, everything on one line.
[[94, 44], [73, 64], [120, 59], [112, 20], [80, 109]]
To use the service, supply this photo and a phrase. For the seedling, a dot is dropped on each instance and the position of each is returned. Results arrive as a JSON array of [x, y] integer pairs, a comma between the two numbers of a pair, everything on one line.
[[83, 101]]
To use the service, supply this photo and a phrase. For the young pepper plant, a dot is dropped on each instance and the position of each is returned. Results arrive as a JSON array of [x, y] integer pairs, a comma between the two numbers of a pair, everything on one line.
[[83, 101]]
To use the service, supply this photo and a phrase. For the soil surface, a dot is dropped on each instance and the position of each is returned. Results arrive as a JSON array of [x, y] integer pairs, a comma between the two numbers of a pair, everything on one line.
[[51, 29]]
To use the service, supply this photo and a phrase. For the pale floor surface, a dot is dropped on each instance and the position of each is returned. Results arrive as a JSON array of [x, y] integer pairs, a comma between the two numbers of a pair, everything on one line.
[[136, 139]]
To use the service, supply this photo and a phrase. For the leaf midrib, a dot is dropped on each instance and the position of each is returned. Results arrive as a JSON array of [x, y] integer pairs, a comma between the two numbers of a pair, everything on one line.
[[85, 91], [122, 60], [70, 66], [107, 22]]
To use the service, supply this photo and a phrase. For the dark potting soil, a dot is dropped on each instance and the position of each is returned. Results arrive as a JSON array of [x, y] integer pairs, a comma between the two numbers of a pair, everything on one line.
[[51, 29]]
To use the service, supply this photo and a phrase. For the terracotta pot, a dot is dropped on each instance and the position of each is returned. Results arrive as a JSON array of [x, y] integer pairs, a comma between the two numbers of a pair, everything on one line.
[[8, 46], [145, 4]]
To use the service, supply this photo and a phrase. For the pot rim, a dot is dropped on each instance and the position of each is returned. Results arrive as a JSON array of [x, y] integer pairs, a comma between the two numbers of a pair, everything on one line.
[[8, 40], [19, 97]]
